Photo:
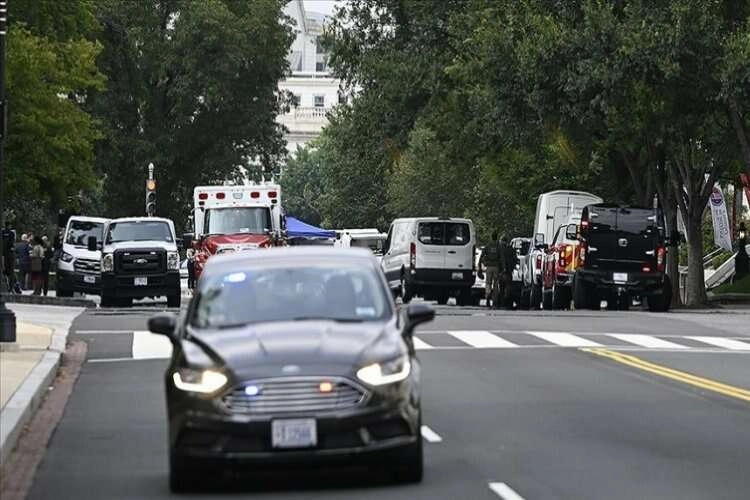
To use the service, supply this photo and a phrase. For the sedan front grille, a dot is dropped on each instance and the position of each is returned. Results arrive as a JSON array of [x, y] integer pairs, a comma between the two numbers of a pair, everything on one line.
[[293, 395]]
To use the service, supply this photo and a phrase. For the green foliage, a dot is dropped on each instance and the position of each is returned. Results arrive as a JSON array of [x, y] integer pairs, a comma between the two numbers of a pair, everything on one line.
[[50, 146], [302, 184], [741, 286], [193, 89]]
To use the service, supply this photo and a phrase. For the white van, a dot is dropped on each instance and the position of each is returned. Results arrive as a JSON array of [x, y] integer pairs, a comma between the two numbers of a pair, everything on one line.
[[431, 257], [78, 268], [552, 211]]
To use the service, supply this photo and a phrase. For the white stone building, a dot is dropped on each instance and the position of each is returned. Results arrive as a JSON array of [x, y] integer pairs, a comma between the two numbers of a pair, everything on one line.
[[316, 91]]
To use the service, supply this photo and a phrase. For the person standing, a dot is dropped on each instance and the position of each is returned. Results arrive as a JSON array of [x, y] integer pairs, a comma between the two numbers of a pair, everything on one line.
[[23, 254], [37, 262], [490, 260], [46, 264], [190, 255], [507, 265]]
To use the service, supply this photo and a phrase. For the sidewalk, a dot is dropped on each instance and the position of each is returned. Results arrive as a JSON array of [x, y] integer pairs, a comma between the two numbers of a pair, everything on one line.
[[29, 366]]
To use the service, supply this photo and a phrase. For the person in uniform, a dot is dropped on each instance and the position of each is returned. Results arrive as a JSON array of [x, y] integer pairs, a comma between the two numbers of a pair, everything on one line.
[[490, 260]]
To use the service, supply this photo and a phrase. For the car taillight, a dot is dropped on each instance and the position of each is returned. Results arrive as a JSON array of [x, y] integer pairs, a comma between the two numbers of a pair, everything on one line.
[[413, 255], [661, 254], [564, 255], [538, 264]]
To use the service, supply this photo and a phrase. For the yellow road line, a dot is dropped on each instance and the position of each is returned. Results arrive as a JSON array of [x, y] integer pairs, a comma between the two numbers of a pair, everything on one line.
[[686, 378]]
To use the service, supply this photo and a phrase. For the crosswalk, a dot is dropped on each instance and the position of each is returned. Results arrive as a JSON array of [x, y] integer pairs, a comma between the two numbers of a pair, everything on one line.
[[144, 345]]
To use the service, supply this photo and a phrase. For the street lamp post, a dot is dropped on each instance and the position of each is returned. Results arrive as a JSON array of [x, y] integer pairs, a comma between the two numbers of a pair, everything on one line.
[[741, 263], [7, 318]]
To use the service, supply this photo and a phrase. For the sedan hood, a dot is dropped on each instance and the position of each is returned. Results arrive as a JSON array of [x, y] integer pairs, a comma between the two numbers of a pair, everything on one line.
[[297, 347]]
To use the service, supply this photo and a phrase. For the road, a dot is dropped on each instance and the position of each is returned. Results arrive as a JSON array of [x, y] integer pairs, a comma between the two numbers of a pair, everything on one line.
[[517, 405]]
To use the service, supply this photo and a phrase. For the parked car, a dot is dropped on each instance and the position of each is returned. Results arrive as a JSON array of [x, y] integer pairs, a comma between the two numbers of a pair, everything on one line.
[[79, 268], [561, 260], [292, 357], [552, 210], [623, 256], [431, 257]]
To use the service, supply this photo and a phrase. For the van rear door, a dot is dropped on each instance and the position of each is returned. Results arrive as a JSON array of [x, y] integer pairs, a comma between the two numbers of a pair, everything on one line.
[[458, 248], [430, 245]]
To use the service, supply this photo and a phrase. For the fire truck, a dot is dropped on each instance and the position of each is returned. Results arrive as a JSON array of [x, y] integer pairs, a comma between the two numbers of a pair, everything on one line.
[[235, 219]]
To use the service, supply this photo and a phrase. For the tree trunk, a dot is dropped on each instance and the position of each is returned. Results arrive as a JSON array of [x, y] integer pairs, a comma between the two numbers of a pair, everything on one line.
[[739, 128], [696, 285], [673, 254]]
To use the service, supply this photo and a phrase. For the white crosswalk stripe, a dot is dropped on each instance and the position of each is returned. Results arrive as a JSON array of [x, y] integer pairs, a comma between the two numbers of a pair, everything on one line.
[[647, 341], [420, 344], [146, 345], [481, 339], [565, 339], [731, 344]]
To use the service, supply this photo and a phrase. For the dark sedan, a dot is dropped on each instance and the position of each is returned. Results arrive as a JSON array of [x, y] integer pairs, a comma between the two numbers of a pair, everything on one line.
[[291, 357]]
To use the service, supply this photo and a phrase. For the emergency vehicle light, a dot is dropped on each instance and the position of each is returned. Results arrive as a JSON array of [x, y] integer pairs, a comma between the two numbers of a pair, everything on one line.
[[237, 195], [220, 196], [272, 194], [202, 196], [255, 194]]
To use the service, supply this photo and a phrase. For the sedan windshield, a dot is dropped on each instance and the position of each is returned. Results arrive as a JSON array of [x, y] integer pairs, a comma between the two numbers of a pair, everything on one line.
[[139, 231], [79, 232], [336, 292], [237, 220]]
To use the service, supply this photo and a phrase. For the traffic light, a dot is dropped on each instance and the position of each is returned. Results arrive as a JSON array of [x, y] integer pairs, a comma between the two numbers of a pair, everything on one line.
[[151, 197]]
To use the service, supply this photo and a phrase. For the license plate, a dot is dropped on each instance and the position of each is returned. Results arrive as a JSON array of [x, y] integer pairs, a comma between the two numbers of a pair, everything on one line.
[[620, 277], [457, 276], [89, 279], [140, 281], [294, 433]]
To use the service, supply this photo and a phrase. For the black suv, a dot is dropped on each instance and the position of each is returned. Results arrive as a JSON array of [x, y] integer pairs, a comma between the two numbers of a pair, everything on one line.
[[623, 255]]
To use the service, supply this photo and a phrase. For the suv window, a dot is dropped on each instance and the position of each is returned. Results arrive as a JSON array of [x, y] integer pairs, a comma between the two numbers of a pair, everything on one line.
[[635, 221], [444, 233]]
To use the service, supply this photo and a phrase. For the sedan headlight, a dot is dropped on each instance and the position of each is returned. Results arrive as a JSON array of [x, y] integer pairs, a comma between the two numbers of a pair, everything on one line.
[[66, 257], [173, 261], [386, 373], [108, 263], [201, 381]]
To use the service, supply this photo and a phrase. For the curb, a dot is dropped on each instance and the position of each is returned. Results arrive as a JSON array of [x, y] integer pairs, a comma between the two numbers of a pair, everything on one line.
[[21, 406], [47, 301]]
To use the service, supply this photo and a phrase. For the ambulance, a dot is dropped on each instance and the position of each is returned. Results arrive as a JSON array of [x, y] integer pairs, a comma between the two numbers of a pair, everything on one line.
[[235, 219]]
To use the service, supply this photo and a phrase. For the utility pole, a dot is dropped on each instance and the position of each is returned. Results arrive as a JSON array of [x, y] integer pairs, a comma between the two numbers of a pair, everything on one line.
[[7, 317]]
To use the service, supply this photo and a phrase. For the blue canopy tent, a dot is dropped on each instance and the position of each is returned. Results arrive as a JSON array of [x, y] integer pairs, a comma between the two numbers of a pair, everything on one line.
[[295, 228]]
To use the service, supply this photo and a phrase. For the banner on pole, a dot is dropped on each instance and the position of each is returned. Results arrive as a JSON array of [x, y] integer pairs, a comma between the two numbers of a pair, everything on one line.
[[722, 232], [746, 184]]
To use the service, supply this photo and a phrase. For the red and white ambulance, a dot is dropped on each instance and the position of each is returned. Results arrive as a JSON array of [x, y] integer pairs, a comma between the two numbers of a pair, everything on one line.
[[235, 219]]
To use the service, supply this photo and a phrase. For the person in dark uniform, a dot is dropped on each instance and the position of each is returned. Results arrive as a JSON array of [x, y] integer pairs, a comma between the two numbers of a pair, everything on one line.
[[507, 265], [490, 261], [190, 254]]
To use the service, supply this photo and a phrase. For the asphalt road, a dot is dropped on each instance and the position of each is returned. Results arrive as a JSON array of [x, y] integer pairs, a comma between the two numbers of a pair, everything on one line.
[[529, 405]]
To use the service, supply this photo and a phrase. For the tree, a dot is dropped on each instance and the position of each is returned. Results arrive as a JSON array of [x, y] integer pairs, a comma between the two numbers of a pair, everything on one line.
[[193, 89], [302, 184], [50, 146]]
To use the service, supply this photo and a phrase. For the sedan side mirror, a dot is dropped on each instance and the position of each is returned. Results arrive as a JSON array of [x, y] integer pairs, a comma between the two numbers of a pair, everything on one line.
[[163, 324], [92, 244], [416, 314]]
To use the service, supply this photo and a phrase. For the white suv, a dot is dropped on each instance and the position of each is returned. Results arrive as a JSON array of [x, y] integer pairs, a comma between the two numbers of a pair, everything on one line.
[[431, 257]]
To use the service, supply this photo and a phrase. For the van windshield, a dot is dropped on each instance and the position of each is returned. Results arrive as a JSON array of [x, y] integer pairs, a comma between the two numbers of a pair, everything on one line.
[[238, 220], [444, 233], [79, 232]]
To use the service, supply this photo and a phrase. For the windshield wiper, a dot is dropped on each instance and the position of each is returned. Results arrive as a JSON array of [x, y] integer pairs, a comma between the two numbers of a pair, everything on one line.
[[328, 318]]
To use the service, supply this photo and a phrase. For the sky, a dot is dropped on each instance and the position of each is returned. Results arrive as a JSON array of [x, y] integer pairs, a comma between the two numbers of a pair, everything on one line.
[[322, 6]]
